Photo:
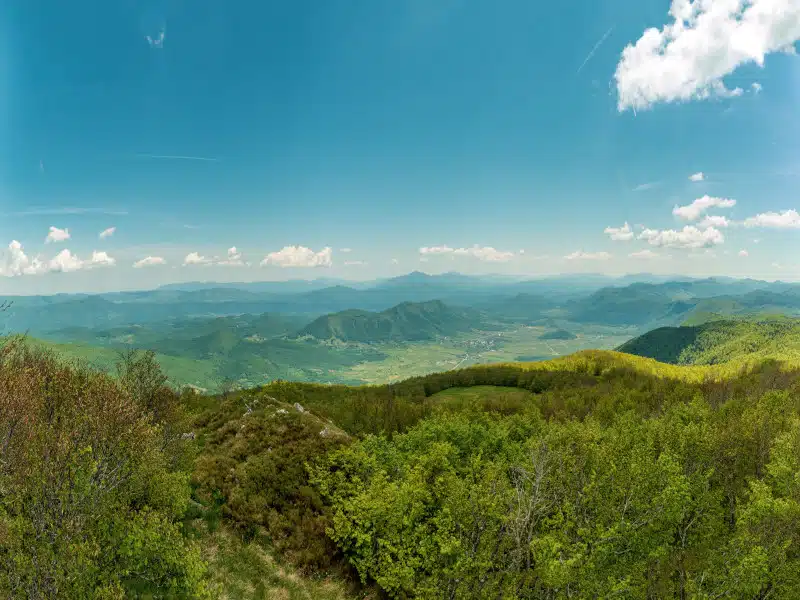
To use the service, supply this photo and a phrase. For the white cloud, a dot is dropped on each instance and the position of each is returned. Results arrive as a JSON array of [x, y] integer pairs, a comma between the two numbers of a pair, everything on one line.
[[395, 261], [345, 250], [107, 233], [620, 234], [756, 87], [786, 219], [18, 263], [65, 262], [645, 186], [647, 254], [194, 258], [713, 221], [697, 177], [149, 262], [101, 259], [692, 211], [705, 42], [688, 237], [581, 255], [234, 258], [57, 235], [484, 253], [354, 263], [299, 256], [436, 250], [744, 253]]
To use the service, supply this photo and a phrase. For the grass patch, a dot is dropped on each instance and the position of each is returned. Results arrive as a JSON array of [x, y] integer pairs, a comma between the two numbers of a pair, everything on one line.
[[249, 570]]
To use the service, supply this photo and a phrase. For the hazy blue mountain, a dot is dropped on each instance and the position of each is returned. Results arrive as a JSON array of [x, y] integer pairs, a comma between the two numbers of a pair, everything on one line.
[[583, 298]]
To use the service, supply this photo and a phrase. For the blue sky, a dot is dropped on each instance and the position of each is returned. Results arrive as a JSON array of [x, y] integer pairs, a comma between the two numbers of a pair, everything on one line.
[[477, 136]]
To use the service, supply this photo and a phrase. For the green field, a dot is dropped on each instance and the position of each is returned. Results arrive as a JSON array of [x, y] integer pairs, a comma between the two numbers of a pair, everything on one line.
[[180, 371], [522, 344]]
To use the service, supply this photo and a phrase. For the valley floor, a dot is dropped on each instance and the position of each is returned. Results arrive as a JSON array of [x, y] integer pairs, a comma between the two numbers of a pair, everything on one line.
[[522, 344]]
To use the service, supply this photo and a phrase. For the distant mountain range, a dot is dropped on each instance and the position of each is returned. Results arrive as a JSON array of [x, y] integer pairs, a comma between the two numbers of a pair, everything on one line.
[[589, 299]]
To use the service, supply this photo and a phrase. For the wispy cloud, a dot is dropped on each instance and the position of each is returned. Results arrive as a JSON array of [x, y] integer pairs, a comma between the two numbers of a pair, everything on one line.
[[67, 210], [178, 157], [157, 42], [646, 186], [581, 255], [593, 50]]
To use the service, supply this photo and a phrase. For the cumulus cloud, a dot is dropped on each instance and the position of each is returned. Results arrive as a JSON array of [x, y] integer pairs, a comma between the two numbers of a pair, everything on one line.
[[697, 177], [744, 253], [785, 219], [107, 233], [692, 212], [581, 255], [713, 221], [484, 253], [57, 235], [704, 42], [65, 262], [299, 256], [101, 259], [194, 258], [688, 237], [18, 263], [234, 258], [620, 234], [149, 261], [646, 254], [756, 87]]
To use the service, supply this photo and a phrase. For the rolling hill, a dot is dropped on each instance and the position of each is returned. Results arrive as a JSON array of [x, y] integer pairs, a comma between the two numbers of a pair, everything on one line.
[[728, 340], [406, 322]]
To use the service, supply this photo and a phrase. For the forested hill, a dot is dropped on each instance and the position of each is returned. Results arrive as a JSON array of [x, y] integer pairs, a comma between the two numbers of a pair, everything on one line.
[[718, 341], [406, 322], [600, 473]]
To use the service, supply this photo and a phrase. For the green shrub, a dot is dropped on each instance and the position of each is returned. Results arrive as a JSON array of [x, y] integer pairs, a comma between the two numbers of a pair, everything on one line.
[[91, 490]]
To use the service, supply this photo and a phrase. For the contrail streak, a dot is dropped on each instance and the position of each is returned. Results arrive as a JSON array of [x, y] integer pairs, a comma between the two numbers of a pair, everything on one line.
[[174, 157], [596, 46]]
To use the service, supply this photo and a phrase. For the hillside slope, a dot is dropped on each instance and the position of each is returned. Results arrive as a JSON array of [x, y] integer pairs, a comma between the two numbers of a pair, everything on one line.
[[406, 322], [726, 340]]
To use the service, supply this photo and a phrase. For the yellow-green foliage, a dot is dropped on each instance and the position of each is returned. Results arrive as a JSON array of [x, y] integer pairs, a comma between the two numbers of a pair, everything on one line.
[[441, 459], [93, 484], [737, 341]]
